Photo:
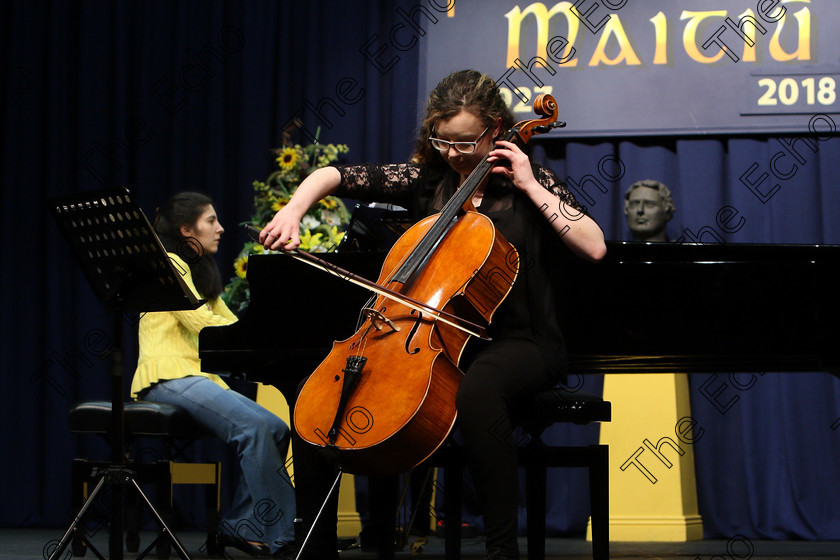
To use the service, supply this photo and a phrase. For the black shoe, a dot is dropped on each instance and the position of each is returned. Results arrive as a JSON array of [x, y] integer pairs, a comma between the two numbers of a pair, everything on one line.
[[251, 548], [287, 551]]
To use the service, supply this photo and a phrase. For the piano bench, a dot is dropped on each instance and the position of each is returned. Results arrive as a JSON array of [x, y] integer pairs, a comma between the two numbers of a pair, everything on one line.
[[147, 419], [549, 407]]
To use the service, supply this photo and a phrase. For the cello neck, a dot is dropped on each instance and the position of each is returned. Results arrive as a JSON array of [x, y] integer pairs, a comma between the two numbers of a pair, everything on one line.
[[467, 190]]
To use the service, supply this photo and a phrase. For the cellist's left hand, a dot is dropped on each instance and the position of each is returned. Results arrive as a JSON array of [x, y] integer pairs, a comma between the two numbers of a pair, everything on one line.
[[519, 172]]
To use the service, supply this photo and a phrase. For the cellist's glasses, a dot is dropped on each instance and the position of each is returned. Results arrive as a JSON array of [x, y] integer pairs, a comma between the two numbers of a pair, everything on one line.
[[462, 147]]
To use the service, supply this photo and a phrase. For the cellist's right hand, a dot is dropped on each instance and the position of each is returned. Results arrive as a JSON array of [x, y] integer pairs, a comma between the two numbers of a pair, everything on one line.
[[283, 231]]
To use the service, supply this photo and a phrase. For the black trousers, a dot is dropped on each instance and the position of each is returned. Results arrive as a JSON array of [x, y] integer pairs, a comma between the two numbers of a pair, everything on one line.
[[498, 377]]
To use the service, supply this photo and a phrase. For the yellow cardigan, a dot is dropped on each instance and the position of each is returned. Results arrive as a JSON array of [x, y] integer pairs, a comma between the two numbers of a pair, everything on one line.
[[169, 339]]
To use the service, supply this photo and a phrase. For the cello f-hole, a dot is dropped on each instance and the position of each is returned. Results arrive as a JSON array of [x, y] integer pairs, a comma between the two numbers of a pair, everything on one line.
[[412, 332]]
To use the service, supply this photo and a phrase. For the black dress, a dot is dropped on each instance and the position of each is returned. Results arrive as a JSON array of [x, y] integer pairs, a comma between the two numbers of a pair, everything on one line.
[[526, 354]]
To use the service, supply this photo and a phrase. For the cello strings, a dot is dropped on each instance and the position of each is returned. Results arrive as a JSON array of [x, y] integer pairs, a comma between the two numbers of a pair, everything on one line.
[[360, 321]]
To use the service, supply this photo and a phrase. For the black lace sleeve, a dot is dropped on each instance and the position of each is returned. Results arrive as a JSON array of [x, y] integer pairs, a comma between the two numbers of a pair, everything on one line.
[[549, 179], [392, 183]]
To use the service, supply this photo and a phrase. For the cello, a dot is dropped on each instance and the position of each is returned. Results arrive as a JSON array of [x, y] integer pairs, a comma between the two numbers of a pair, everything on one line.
[[384, 399]]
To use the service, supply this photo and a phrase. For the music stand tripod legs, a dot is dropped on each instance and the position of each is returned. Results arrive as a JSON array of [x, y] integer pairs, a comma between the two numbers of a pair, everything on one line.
[[117, 476]]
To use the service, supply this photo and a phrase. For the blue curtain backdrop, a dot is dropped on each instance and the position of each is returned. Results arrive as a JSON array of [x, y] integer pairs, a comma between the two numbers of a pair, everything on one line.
[[166, 96]]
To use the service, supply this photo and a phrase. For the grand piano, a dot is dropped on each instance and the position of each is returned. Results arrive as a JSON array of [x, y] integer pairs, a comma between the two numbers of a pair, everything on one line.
[[645, 308]]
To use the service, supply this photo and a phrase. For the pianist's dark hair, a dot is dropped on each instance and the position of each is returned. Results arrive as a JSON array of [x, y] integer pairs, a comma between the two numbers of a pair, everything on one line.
[[185, 209]]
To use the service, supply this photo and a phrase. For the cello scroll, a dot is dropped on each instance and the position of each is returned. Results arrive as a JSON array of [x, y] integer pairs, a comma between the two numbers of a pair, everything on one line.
[[546, 106]]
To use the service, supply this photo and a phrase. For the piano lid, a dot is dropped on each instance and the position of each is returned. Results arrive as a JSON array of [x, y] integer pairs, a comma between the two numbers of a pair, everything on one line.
[[645, 308]]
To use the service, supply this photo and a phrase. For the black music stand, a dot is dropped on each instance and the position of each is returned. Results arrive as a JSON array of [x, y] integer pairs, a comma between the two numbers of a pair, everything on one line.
[[375, 227], [129, 270]]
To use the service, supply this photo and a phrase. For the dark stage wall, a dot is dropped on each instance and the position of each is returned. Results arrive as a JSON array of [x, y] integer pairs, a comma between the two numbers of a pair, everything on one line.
[[166, 96]]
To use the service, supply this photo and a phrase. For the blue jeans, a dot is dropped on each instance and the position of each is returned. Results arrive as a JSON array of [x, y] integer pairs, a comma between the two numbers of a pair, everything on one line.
[[263, 507]]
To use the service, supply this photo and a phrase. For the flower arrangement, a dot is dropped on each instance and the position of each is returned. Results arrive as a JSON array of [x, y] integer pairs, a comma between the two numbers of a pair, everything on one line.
[[322, 227]]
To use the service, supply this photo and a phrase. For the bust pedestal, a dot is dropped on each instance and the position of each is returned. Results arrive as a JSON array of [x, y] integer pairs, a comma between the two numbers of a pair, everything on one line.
[[653, 496]]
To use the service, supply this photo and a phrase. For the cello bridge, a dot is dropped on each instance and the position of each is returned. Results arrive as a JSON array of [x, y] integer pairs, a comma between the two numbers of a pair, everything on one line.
[[378, 320]]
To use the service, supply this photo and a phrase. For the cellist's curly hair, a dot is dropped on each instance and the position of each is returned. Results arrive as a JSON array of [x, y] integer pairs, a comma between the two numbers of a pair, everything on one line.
[[467, 90]]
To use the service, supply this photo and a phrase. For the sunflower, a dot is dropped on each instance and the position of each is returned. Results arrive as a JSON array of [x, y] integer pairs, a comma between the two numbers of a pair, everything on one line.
[[329, 203], [288, 158], [279, 203], [240, 266]]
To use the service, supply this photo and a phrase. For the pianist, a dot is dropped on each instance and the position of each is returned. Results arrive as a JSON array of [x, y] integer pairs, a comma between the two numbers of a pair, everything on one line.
[[465, 115], [168, 370]]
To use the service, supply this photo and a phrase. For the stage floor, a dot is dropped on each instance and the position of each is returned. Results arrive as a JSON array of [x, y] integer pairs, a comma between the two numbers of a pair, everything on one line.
[[35, 544]]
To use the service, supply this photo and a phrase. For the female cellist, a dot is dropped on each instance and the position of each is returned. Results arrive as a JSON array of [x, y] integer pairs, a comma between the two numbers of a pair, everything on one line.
[[533, 209]]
